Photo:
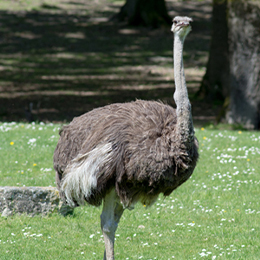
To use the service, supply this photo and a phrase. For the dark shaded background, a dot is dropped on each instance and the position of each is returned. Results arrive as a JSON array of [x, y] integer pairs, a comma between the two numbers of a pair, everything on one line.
[[58, 62]]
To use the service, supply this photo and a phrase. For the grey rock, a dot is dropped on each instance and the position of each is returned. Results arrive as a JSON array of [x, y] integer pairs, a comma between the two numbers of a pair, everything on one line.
[[29, 200]]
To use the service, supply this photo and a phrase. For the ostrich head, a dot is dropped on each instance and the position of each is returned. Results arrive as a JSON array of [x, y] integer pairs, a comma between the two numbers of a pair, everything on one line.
[[181, 26]]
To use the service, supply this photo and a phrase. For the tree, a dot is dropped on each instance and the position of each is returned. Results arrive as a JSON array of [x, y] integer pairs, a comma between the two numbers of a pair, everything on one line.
[[233, 69], [144, 12], [215, 83], [244, 53]]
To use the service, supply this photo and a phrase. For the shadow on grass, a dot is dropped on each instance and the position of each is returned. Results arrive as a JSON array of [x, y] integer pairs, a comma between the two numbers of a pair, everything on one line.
[[55, 65]]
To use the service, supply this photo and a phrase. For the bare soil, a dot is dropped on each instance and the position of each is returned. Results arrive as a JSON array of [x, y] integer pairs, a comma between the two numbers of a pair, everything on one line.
[[60, 59]]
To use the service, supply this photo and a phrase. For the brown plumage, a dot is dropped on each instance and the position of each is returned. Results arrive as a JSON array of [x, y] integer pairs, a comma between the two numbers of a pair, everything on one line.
[[124, 153], [145, 158]]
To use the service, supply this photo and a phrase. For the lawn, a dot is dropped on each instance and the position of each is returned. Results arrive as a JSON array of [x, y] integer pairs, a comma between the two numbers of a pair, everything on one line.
[[214, 215], [65, 57]]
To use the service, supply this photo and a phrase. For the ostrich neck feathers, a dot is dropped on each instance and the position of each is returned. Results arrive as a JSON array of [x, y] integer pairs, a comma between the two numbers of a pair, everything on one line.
[[184, 125]]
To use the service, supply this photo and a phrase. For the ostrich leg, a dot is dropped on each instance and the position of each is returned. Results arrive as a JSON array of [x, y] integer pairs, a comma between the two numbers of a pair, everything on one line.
[[111, 214]]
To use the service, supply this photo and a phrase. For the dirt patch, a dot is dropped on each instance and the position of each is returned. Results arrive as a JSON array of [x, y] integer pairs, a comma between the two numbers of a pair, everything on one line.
[[64, 58]]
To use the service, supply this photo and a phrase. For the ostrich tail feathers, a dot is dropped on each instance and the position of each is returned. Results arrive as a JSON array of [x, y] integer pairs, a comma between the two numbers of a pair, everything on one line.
[[80, 176]]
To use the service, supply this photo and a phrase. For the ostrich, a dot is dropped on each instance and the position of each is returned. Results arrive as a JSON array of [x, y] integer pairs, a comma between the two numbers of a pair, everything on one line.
[[124, 153]]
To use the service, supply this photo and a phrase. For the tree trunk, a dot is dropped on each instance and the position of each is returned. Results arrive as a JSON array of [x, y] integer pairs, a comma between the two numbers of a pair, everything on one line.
[[215, 83], [244, 57], [144, 12], [233, 69]]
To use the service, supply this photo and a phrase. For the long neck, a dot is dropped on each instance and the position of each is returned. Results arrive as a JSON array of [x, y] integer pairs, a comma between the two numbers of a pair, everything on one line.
[[184, 118]]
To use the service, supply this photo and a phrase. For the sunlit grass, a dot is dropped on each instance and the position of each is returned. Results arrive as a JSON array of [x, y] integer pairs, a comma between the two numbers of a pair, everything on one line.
[[214, 215], [26, 154]]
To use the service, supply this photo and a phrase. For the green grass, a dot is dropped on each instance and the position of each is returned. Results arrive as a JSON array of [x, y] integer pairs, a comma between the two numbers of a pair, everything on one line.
[[214, 215], [26, 154]]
